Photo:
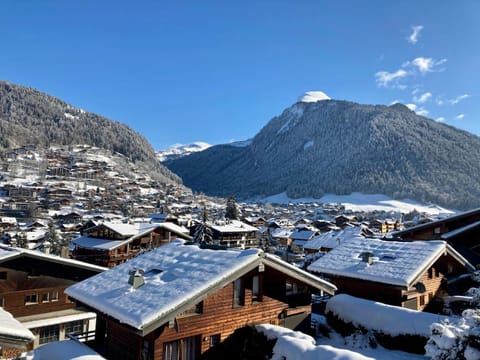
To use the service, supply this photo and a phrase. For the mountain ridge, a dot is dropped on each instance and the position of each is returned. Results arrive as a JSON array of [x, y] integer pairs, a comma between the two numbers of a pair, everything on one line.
[[31, 117], [337, 146]]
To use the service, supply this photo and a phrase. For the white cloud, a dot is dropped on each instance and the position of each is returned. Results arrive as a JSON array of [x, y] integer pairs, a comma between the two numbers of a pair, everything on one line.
[[460, 116], [422, 112], [425, 65], [385, 79], [422, 98], [412, 107], [440, 119], [418, 110], [458, 99], [413, 38], [395, 102]]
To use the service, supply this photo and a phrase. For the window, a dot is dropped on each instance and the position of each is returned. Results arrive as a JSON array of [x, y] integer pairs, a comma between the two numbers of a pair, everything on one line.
[[422, 300], [3, 275], [45, 297], [238, 293], [214, 340], [256, 294], [74, 327], [49, 334], [54, 296], [430, 273], [184, 349], [31, 299]]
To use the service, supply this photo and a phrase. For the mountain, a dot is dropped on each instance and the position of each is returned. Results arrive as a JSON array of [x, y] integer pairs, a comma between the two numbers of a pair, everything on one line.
[[320, 145], [30, 117], [178, 150]]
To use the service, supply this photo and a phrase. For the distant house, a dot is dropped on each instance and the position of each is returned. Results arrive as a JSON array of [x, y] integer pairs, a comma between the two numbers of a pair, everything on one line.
[[177, 301], [110, 244], [330, 240], [407, 274], [281, 237], [301, 236], [461, 230], [32, 288], [234, 234], [256, 221]]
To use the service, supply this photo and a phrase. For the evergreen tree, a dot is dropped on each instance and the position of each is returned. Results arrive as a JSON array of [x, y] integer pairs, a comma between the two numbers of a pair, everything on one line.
[[231, 212], [203, 233]]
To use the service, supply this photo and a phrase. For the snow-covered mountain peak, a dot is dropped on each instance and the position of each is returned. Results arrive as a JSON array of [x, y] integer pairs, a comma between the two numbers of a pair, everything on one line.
[[313, 96], [178, 150]]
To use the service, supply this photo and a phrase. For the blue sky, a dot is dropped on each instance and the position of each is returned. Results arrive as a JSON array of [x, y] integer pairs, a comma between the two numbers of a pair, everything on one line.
[[218, 71]]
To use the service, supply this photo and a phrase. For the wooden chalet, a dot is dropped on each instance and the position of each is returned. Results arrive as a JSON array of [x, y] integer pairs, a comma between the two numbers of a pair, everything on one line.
[[32, 288], [329, 240], [234, 234], [256, 221], [110, 244], [177, 301], [462, 231], [406, 274]]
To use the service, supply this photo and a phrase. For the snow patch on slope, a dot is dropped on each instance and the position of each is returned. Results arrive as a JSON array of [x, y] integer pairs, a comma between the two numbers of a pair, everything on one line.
[[293, 115], [362, 202], [308, 144]]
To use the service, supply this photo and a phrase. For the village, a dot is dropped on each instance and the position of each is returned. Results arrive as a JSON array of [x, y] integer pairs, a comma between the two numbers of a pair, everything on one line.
[[97, 253]]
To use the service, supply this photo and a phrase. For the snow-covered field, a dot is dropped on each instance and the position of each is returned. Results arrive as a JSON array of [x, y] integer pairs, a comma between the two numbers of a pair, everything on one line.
[[362, 202]]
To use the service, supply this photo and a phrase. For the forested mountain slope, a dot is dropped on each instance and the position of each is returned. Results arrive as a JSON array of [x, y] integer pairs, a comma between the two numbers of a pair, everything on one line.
[[340, 147], [30, 117]]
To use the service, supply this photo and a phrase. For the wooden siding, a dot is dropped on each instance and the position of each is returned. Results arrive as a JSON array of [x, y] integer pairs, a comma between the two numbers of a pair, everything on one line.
[[433, 279], [219, 317]]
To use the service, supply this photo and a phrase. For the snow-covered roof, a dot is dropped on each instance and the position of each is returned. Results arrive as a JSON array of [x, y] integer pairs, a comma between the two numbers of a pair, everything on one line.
[[302, 234], [332, 239], [393, 262], [12, 331], [461, 230], [232, 226], [281, 233], [95, 243], [7, 253], [176, 276], [129, 229]]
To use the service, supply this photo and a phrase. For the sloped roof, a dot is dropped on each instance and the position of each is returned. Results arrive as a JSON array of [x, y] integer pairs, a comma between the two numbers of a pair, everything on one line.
[[177, 276], [397, 263], [12, 332], [232, 226], [7, 253], [334, 238], [448, 220]]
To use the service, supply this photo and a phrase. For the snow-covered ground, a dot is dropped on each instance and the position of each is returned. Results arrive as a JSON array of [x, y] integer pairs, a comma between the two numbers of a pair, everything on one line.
[[295, 345], [362, 202]]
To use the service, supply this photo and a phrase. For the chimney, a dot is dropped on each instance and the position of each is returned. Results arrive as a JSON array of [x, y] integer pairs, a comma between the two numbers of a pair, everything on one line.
[[46, 247], [136, 278], [367, 257]]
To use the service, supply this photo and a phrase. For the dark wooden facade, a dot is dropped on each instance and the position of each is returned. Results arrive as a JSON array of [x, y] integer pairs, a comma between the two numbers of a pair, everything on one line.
[[113, 257], [278, 299], [32, 287], [434, 281], [462, 231]]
